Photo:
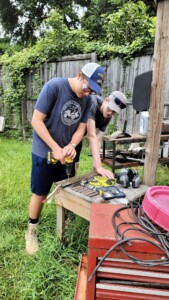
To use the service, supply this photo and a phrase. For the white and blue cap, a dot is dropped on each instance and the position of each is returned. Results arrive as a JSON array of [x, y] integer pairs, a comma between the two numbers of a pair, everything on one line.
[[95, 75], [117, 101]]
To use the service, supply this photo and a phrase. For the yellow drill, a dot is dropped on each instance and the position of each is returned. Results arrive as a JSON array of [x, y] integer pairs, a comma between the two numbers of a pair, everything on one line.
[[68, 162]]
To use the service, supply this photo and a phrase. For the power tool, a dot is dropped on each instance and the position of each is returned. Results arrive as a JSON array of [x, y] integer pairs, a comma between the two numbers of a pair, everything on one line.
[[102, 181], [104, 186], [50, 158], [68, 162], [127, 176], [68, 165]]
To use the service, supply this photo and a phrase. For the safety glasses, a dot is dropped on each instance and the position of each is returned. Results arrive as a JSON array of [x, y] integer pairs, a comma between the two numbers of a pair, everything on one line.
[[119, 103], [85, 88]]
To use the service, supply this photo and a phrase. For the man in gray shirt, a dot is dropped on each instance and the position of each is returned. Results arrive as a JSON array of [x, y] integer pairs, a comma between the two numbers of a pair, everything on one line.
[[101, 112]]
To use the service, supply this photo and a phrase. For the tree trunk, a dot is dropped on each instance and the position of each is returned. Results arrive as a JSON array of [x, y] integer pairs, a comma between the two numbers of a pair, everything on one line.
[[160, 69]]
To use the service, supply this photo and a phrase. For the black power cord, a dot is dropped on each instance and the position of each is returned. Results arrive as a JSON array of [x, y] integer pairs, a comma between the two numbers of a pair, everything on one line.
[[146, 227]]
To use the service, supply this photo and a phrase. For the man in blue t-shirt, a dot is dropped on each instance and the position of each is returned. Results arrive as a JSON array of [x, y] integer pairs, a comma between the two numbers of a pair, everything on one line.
[[59, 122], [101, 112]]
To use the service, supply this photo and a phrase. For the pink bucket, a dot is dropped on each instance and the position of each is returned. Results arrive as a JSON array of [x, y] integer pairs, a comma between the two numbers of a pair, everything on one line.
[[156, 205]]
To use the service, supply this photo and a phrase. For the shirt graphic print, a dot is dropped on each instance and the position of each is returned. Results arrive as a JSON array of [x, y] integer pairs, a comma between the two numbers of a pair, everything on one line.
[[71, 113]]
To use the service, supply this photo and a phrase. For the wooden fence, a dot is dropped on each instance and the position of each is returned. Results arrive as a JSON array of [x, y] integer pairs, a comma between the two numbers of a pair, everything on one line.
[[117, 78]]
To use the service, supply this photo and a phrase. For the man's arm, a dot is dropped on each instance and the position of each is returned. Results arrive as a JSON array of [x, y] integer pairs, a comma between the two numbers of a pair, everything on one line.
[[40, 128], [95, 144], [76, 139]]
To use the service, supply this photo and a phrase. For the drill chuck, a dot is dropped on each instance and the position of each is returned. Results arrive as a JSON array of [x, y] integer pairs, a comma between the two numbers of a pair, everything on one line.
[[68, 165]]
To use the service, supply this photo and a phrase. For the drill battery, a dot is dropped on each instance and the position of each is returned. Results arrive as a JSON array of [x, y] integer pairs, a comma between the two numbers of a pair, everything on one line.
[[51, 159], [109, 193]]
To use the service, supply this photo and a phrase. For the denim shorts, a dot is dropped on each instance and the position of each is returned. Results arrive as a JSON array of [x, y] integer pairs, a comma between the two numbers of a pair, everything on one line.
[[43, 175]]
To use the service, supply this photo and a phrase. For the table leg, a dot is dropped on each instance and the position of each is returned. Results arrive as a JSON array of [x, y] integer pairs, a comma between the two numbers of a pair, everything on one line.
[[113, 157], [60, 220]]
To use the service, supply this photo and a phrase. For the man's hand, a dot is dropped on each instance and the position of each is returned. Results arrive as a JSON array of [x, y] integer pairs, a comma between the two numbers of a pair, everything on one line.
[[105, 172], [69, 151], [59, 154]]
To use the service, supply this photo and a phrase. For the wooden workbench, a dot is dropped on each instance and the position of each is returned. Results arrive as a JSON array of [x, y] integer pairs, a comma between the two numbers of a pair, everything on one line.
[[134, 138], [81, 204]]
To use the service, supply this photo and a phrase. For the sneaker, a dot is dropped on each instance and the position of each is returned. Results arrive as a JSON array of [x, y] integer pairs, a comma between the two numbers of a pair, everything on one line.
[[31, 239]]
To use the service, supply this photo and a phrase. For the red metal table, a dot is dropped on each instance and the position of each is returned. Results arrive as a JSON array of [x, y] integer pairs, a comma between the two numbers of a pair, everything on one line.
[[117, 265]]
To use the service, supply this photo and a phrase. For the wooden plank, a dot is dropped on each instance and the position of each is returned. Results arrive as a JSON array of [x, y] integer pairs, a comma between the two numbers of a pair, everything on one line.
[[133, 139], [119, 165], [60, 220], [76, 178], [160, 70], [75, 204], [75, 57]]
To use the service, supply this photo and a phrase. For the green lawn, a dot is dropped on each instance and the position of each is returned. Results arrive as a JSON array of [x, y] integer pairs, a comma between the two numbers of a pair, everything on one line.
[[52, 273]]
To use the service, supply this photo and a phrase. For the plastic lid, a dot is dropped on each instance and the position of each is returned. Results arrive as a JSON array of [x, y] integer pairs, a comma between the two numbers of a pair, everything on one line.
[[156, 205]]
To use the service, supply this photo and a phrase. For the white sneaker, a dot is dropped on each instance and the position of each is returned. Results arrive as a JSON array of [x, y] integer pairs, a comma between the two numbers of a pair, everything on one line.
[[31, 239]]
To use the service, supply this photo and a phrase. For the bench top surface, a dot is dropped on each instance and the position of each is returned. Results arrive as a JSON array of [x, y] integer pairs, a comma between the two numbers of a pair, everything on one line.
[[69, 186]]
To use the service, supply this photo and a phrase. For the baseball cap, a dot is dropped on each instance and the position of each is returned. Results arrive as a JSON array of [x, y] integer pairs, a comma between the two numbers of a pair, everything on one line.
[[95, 75], [117, 101]]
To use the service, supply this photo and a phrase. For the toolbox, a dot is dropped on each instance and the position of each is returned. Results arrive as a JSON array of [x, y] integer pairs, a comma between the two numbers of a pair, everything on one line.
[[119, 278]]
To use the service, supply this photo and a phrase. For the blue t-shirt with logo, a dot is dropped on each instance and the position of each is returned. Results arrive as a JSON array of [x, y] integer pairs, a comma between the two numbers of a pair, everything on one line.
[[64, 111]]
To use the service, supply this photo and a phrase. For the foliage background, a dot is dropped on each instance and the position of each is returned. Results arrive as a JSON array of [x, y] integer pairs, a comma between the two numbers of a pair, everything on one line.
[[110, 28], [38, 32]]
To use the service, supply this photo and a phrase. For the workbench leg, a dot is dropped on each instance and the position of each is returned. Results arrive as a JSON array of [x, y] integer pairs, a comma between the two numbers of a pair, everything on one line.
[[60, 220], [113, 157]]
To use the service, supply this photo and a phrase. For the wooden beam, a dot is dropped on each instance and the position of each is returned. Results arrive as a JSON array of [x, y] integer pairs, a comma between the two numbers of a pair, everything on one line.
[[160, 69]]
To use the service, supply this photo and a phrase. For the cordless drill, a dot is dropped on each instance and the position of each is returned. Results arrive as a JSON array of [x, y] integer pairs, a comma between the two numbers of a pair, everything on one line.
[[68, 162]]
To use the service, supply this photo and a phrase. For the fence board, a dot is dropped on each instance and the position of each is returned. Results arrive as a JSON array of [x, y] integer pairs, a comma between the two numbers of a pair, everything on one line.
[[117, 78]]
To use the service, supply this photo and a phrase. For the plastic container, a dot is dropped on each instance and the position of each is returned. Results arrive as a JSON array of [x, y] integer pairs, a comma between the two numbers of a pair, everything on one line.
[[160, 152], [156, 205], [143, 126], [165, 149], [2, 123]]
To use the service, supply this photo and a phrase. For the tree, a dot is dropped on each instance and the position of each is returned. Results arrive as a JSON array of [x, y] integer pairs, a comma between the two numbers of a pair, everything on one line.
[[119, 27], [129, 22], [8, 9], [28, 16], [26, 23], [93, 21]]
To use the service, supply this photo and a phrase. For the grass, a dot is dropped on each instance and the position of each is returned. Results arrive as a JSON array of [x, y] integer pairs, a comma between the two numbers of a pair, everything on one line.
[[52, 273]]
